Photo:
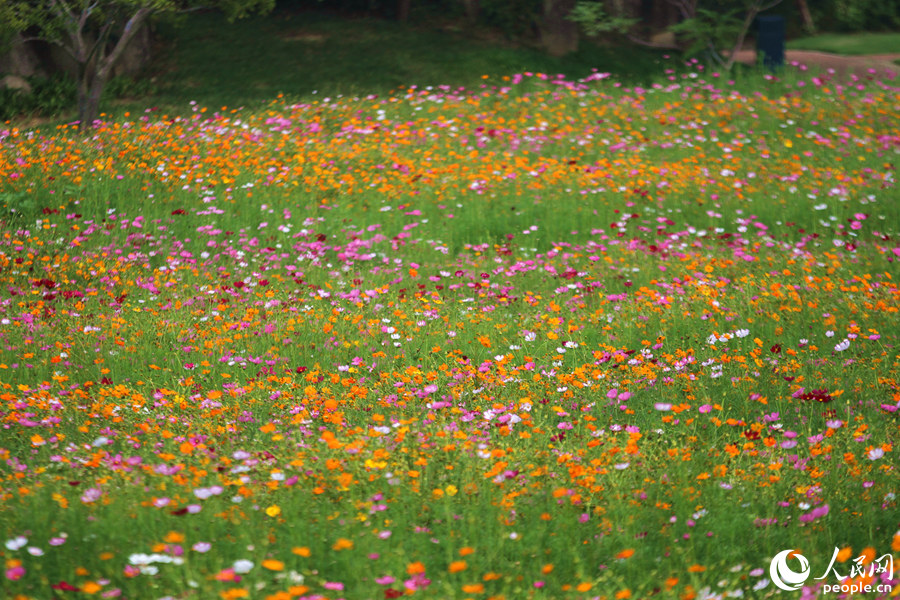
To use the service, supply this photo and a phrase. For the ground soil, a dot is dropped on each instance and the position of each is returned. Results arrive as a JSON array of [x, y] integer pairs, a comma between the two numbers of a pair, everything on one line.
[[882, 65]]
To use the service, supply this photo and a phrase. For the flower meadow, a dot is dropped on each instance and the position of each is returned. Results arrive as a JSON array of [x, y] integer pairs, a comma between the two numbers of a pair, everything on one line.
[[543, 338]]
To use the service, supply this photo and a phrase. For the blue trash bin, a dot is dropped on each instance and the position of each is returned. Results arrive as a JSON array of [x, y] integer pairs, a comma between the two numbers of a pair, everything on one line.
[[770, 40]]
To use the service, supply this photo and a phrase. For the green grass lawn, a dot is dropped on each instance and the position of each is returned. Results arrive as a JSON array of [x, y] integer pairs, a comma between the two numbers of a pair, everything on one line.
[[203, 58], [215, 63], [854, 44]]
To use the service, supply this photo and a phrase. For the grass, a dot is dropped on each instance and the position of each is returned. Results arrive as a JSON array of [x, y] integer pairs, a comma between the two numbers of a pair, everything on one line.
[[539, 338], [851, 44], [212, 62], [203, 58]]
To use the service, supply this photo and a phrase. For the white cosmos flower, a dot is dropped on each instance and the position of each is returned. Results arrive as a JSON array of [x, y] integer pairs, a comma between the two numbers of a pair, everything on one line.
[[242, 566], [16, 543]]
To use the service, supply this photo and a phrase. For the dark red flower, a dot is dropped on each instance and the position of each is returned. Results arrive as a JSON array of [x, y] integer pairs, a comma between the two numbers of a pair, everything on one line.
[[65, 586], [817, 395]]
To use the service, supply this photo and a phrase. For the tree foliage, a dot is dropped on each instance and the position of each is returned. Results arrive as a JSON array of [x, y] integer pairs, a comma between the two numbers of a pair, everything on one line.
[[707, 26], [95, 33], [709, 31], [593, 17]]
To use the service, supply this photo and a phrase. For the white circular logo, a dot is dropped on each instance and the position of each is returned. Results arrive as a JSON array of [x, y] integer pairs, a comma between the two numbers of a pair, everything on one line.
[[783, 576]]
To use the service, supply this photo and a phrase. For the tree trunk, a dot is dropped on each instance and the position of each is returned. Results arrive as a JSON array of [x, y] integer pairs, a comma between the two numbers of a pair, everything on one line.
[[657, 15], [559, 35], [89, 100], [756, 8], [472, 8], [687, 9], [95, 69], [136, 55], [403, 10], [808, 23], [739, 43]]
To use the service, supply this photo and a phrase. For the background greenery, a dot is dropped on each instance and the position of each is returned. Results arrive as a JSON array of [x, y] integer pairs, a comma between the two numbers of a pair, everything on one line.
[[355, 48]]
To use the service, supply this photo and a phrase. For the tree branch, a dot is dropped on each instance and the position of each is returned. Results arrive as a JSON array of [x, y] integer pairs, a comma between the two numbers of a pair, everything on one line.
[[47, 40], [687, 8], [25, 40], [717, 57], [100, 44], [63, 7], [131, 28], [71, 26], [85, 15], [748, 21]]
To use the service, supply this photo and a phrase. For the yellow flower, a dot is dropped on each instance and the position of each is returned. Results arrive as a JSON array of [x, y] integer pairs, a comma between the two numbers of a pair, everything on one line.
[[342, 544], [91, 587], [867, 554], [457, 565], [173, 537], [273, 511], [415, 568], [273, 565]]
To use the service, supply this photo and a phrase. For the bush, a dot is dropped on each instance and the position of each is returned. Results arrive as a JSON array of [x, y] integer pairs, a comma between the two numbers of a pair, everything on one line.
[[49, 97], [53, 96], [858, 15], [128, 87], [515, 18]]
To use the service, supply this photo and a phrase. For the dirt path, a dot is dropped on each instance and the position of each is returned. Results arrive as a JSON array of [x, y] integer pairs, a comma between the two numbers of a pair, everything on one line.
[[882, 64]]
